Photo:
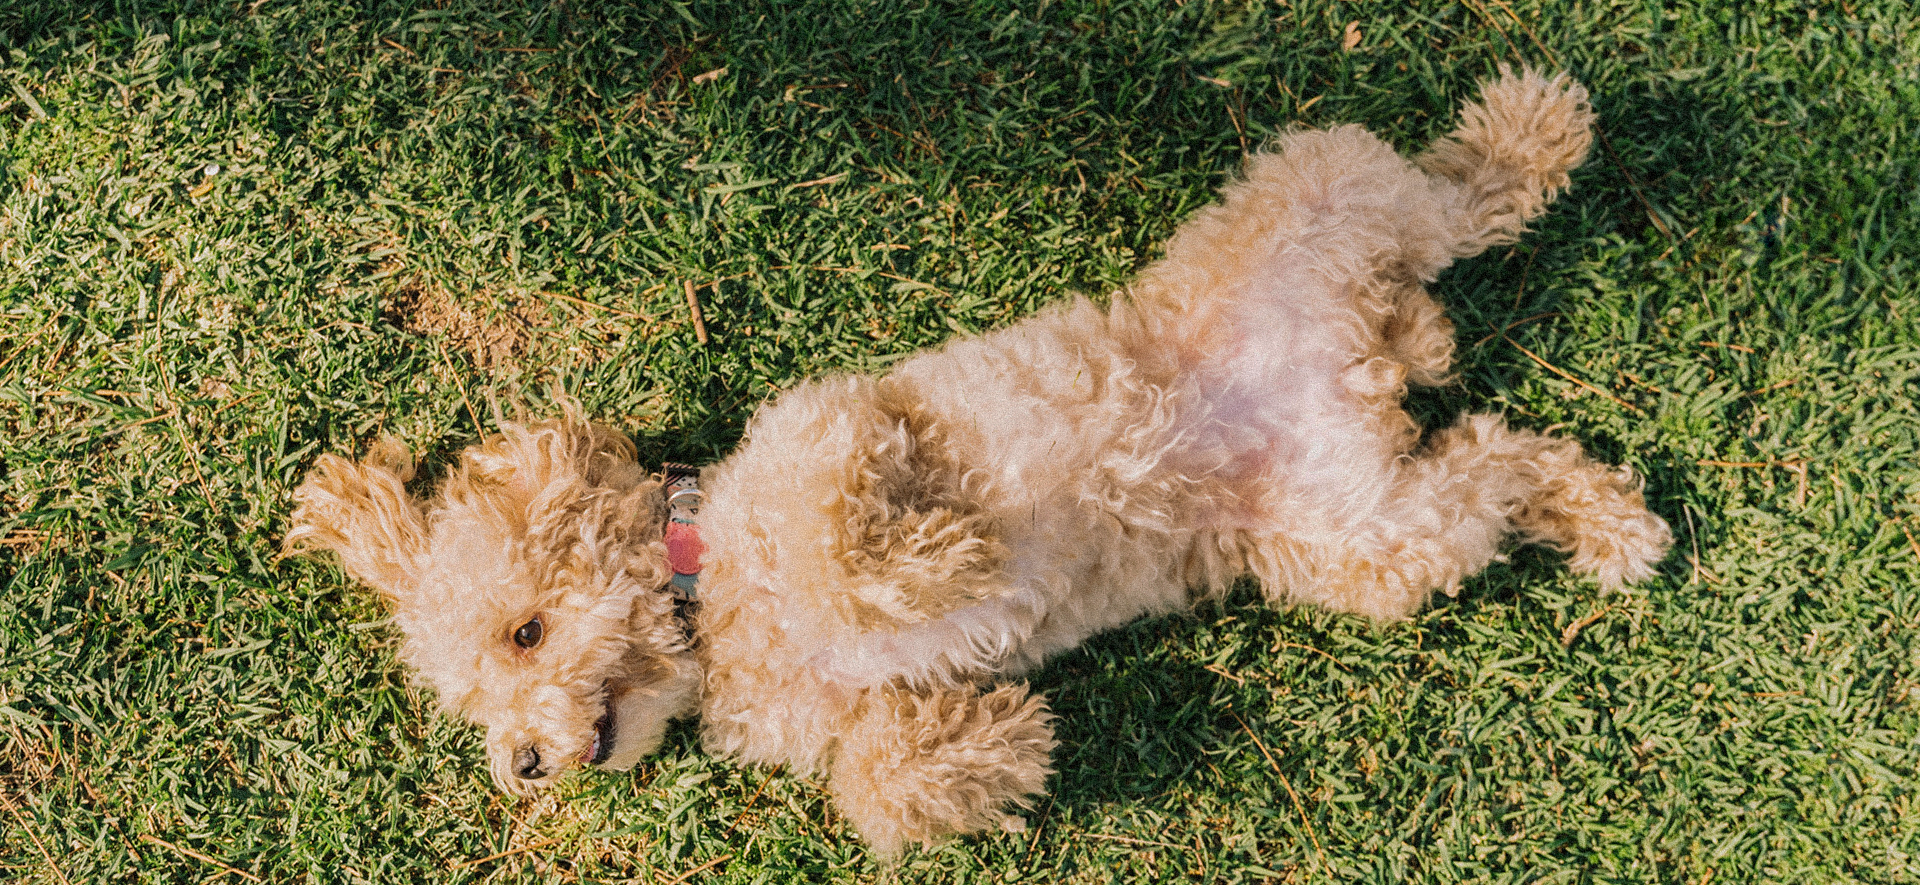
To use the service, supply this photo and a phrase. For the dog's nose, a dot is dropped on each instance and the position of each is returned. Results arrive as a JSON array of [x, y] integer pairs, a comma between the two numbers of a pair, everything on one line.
[[526, 763]]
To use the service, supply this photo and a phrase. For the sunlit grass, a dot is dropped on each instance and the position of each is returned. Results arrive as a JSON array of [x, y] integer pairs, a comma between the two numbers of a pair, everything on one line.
[[233, 236]]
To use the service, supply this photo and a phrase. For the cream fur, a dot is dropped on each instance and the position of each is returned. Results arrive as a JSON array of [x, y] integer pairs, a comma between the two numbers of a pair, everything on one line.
[[884, 554], [555, 521]]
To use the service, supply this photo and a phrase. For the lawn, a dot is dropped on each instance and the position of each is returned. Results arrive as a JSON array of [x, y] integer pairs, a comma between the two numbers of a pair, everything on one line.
[[236, 235]]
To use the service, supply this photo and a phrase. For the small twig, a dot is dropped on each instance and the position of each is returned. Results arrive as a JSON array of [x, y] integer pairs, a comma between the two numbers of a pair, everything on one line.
[[861, 270], [200, 857], [1034, 840], [1216, 670], [1558, 371], [1239, 129], [1795, 466], [1320, 852], [1770, 388], [699, 869], [1524, 273], [28, 828], [751, 799], [1511, 46], [1642, 382], [1693, 537], [1633, 184], [140, 423], [454, 376], [530, 846], [1551, 58], [191, 453], [1572, 632], [233, 402], [693, 305]]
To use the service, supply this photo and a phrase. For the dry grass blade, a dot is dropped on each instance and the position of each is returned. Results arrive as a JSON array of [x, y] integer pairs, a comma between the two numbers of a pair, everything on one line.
[[1572, 631], [206, 859], [27, 828], [530, 846], [697, 870], [1570, 377], [1306, 823]]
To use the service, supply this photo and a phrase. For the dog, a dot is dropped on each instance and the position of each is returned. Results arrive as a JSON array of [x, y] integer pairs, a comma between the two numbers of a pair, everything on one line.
[[886, 556]]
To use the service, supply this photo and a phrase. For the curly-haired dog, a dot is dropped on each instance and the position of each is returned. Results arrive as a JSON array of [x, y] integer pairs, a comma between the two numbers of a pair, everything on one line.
[[885, 554]]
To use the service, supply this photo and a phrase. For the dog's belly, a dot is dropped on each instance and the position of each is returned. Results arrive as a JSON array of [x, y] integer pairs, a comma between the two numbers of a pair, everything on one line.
[[1116, 459], [1124, 458], [1278, 425]]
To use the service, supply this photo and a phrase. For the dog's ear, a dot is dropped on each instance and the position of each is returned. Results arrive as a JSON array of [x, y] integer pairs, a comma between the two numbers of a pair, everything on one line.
[[362, 513]]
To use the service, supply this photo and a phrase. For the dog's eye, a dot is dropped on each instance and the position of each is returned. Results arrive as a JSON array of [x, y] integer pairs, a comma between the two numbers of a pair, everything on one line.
[[529, 633]]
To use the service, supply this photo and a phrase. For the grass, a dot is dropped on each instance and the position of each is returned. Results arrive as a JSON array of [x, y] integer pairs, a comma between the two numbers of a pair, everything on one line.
[[233, 236]]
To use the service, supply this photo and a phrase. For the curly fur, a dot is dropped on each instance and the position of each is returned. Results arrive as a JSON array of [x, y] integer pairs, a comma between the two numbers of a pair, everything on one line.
[[554, 521], [885, 552]]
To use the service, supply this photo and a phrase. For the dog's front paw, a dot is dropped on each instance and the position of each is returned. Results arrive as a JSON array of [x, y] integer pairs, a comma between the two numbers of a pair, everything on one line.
[[920, 767]]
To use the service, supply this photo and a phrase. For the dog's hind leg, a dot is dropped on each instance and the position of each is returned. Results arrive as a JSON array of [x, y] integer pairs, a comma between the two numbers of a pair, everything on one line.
[[1419, 336], [1498, 170], [1508, 158], [1448, 508], [917, 767]]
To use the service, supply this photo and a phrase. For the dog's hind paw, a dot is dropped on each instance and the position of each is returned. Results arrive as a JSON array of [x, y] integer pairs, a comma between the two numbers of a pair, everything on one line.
[[1599, 518]]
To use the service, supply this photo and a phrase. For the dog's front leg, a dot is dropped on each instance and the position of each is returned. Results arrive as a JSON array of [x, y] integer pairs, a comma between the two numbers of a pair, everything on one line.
[[919, 766]]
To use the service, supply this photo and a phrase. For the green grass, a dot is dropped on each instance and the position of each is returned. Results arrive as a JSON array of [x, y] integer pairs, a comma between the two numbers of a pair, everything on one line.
[[236, 235]]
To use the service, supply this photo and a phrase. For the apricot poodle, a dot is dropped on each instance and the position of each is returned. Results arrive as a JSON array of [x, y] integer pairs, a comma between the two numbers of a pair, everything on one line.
[[886, 556]]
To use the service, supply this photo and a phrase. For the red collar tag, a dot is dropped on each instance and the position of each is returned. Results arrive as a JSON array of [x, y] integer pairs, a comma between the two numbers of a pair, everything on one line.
[[684, 546]]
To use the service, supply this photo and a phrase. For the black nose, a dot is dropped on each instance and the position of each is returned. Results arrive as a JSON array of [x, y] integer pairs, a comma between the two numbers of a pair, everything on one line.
[[526, 763]]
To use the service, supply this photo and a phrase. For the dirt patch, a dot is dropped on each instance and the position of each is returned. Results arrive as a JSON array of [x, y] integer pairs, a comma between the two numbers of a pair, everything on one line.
[[495, 332]]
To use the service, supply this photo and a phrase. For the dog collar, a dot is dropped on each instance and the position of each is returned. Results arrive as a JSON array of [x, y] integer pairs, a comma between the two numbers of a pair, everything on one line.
[[684, 546]]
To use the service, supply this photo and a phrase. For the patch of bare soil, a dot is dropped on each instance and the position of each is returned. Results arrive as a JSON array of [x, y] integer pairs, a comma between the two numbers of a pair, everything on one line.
[[494, 332]]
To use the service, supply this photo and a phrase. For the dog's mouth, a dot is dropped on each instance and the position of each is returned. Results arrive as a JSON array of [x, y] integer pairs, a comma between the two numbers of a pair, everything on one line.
[[602, 745]]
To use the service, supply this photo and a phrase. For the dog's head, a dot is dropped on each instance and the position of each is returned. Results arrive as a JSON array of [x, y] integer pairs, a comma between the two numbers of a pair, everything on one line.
[[528, 590]]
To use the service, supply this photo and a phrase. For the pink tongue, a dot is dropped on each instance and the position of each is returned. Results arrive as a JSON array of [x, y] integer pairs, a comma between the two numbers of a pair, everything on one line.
[[592, 749]]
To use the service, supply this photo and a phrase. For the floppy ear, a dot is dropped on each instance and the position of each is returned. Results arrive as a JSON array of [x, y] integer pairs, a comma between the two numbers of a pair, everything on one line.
[[362, 513]]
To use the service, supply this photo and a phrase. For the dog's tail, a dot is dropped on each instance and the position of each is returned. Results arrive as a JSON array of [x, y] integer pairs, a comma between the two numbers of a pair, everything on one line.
[[1510, 155]]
